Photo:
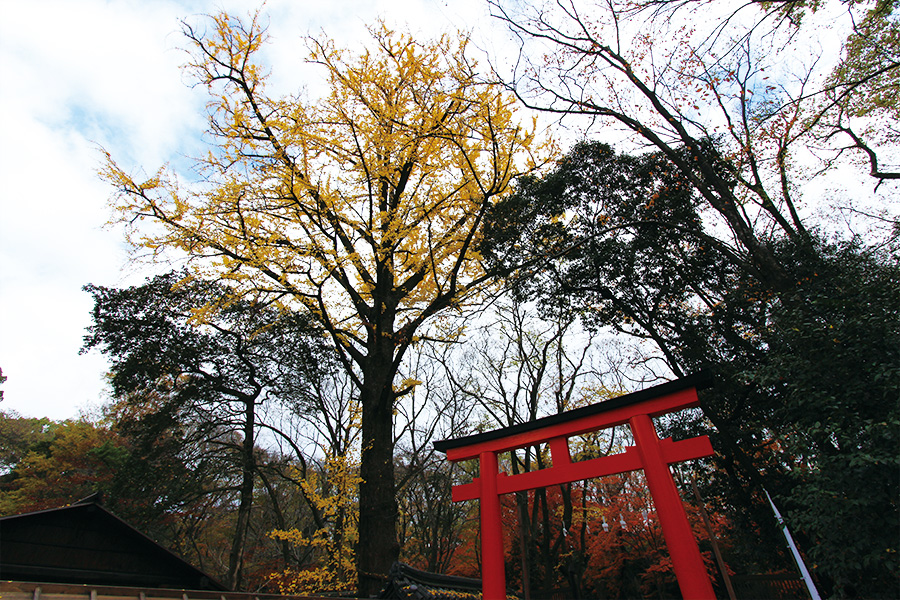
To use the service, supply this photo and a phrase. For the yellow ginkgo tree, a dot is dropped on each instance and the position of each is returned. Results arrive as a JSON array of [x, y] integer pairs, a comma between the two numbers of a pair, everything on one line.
[[364, 207]]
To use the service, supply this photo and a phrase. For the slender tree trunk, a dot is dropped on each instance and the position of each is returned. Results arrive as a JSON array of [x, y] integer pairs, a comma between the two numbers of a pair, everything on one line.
[[524, 534], [549, 558], [286, 555], [567, 547], [248, 469]]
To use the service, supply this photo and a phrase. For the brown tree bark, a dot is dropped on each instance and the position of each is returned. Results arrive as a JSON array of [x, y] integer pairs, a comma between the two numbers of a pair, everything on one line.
[[245, 505], [378, 547]]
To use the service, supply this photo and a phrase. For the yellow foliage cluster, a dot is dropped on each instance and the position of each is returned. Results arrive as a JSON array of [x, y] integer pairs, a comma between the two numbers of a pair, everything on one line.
[[334, 493]]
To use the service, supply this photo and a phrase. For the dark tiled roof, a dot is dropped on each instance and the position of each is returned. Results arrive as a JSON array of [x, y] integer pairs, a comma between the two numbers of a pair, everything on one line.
[[407, 583]]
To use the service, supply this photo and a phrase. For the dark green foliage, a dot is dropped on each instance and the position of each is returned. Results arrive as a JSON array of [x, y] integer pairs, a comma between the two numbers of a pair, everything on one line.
[[832, 375], [634, 250], [156, 334], [48, 464], [19, 436], [192, 372], [167, 358]]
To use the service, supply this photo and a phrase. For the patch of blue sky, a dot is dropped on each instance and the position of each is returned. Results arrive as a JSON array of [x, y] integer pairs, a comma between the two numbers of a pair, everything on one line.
[[93, 125]]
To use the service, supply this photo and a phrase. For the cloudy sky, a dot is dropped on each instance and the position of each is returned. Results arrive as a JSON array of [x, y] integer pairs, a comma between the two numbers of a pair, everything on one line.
[[77, 75]]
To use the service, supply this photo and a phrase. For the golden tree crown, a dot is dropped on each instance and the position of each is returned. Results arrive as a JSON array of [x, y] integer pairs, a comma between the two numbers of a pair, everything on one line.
[[370, 196]]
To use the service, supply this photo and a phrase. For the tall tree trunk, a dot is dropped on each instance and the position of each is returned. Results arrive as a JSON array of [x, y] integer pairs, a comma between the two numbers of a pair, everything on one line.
[[524, 542], [525, 539], [378, 547], [248, 469], [547, 553]]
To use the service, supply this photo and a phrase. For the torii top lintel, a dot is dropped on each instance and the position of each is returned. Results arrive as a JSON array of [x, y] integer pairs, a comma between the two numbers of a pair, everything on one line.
[[657, 400]]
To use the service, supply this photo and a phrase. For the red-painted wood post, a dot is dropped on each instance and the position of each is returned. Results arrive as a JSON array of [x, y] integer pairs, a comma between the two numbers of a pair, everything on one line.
[[686, 559], [493, 573]]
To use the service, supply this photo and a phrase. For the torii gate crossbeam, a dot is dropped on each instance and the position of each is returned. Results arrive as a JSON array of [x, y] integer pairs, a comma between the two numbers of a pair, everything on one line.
[[649, 453]]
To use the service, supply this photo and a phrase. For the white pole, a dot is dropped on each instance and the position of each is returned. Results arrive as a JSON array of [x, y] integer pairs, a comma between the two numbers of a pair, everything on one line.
[[807, 579]]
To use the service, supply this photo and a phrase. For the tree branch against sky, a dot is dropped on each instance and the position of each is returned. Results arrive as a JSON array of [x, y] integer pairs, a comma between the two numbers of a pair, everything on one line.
[[778, 105], [363, 207]]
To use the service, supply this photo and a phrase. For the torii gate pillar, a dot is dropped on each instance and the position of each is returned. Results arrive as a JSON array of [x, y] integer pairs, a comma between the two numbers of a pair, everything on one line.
[[649, 453]]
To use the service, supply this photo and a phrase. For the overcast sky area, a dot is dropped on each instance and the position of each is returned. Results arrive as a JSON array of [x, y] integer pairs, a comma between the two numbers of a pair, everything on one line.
[[77, 75]]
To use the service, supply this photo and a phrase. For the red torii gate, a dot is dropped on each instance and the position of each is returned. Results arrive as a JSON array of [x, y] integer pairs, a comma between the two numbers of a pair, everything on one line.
[[649, 453]]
